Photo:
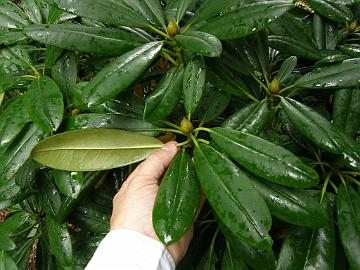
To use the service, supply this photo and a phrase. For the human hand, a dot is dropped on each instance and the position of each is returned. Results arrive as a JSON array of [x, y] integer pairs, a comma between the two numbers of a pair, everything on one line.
[[134, 203]]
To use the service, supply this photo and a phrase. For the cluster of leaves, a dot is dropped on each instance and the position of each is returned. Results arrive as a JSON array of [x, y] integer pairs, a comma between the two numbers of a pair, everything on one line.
[[262, 96]]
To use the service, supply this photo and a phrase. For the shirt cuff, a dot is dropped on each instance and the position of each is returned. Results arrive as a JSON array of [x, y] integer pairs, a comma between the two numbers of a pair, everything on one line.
[[130, 250]]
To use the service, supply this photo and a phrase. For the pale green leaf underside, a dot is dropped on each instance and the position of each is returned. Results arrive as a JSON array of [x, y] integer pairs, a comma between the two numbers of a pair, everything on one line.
[[94, 149]]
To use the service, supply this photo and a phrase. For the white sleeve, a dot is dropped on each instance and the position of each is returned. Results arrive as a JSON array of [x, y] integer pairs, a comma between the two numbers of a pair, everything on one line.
[[124, 249]]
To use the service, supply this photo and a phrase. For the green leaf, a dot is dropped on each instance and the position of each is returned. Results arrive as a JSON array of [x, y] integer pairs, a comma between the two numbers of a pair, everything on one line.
[[131, 13], [164, 99], [219, 101], [157, 10], [52, 54], [331, 10], [246, 19], [13, 222], [32, 11], [44, 258], [64, 73], [22, 253], [6, 243], [92, 217], [265, 159], [346, 110], [176, 9], [12, 121], [18, 152], [69, 183], [177, 200], [210, 8], [249, 119], [120, 74], [200, 42], [9, 38], [45, 104], [296, 207], [350, 49], [80, 150], [341, 75], [287, 68], [6, 262], [232, 260], [232, 197], [321, 132], [97, 40], [11, 16], [194, 84], [48, 195], [348, 218], [60, 242], [112, 121]]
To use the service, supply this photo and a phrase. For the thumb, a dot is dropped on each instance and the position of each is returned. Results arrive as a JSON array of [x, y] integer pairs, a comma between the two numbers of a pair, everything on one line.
[[155, 165]]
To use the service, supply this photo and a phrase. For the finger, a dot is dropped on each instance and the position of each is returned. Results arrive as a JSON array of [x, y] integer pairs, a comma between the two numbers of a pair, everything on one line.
[[155, 165]]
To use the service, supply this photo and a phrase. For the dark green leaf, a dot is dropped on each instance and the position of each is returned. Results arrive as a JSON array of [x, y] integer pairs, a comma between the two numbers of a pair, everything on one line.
[[13, 222], [331, 10], [32, 10], [265, 159], [194, 84], [232, 260], [45, 104], [120, 74], [342, 75], [350, 49], [44, 258], [157, 10], [246, 19], [12, 121], [163, 100], [11, 16], [6, 243], [60, 242], [346, 111], [22, 253], [6, 262], [200, 42], [69, 183], [97, 40], [250, 119], [287, 68], [52, 54], [219, 101], [176, 9], [348, 217], [8, 38], [80, 150], [64, 73], [177, 200], [232, 197], [296, 207]]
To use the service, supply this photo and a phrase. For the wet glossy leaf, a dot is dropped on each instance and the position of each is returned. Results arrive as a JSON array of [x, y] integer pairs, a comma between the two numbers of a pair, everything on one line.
[[69, 183], [22, 253], [6, 243], [32, 11], [232, 197], [341, 75], [81, 150], [13, 222], [120, 74], [157, 10], [12, 37], [265, 159], [18, 152], [163, 100], [64, 73], [210, 8], [296, 207], [176, 9], [346, 110], [12, 121], [125, 12], [60, 242], [97, 40], [177, 200], [348, 217], [350, 49], [219, 100], [52, 54], [250, 119], [317, 129], [200, 42], [287, 68], [112, 121], [194, 84], [331, 10], [246, 19], [11, 16], [6, 262], [45, 104]]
